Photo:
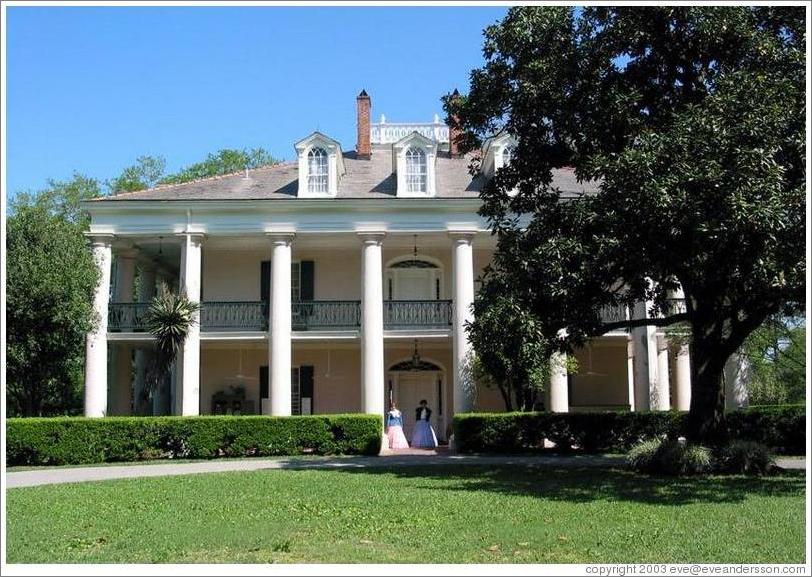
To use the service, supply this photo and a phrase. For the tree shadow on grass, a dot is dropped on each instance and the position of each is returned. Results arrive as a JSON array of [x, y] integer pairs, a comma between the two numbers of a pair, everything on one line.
[[585, 484]]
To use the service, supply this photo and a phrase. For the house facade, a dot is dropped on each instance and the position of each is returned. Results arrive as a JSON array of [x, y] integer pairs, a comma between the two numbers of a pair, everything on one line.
[[336, 283]]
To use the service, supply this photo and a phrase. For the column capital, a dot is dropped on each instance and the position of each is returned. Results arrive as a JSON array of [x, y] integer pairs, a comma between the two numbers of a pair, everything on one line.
[[195, 237], [281, 237], [371, 236], [104, 239], [463, 235]]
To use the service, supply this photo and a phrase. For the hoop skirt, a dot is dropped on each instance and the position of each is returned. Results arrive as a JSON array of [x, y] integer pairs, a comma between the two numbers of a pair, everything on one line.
[[394, 431], [423, 435]]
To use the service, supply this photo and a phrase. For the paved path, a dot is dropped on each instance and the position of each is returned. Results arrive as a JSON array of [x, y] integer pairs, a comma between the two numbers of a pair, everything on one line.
[[51, 476]]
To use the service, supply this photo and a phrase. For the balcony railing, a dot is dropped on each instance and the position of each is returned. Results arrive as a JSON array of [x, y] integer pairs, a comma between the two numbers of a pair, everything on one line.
[[127, 317], [234, 316], [416, 314], [326, 315], [305, 315]]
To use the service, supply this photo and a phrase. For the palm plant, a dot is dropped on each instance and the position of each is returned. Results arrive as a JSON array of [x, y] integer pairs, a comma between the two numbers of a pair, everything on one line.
[[169, 318]]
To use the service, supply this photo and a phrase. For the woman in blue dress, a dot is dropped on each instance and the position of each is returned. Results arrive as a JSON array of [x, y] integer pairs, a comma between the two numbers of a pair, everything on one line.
[[394, 429], [423, 435]]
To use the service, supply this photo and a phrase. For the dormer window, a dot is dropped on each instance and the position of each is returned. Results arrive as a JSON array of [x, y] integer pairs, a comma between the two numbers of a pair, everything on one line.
[[318, 173], [416, 170], [507, 155], [321, 166], [414, 157]]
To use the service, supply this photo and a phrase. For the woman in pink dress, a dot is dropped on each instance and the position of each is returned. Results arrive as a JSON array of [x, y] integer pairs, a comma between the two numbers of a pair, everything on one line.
[[394, 429]]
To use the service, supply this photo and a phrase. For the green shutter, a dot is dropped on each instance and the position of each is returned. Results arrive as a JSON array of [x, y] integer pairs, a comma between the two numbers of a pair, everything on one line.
[[263, 385], [306, 385], [265, 280], [307, 270]]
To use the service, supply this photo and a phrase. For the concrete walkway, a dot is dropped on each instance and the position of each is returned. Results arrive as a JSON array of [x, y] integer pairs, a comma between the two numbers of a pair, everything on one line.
[[409, 458]]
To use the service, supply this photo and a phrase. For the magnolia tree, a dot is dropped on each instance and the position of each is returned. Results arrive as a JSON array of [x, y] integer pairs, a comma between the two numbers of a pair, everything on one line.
[[690, 122]]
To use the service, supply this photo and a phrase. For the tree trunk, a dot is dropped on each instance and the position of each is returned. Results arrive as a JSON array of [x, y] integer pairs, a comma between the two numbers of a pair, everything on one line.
[[506, 398], [706, 419]]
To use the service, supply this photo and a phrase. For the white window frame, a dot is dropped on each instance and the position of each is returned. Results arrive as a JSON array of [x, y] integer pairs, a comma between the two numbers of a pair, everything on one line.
[[318, 171], [334, 165], [401, 151], [417, 172]]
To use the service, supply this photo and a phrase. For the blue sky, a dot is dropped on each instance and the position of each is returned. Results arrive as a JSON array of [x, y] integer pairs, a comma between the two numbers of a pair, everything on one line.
[[90, 89]]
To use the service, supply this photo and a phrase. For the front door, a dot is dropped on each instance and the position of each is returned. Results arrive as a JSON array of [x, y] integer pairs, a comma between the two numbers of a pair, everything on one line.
[[413, 284], [411, 389]]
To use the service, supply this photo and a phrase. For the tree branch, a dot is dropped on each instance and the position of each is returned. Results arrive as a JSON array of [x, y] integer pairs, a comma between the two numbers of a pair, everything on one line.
[[648, 322]]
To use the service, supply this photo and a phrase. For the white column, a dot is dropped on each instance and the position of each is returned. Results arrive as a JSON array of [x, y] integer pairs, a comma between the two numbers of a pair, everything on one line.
[[121, 381], [630, 371], [559, 383], [463, 265], [143, 355], [190, 272], [661, 399], [372, 367], [280, 350], [737, 376], [96, 341], [645, 360], [682, 378]]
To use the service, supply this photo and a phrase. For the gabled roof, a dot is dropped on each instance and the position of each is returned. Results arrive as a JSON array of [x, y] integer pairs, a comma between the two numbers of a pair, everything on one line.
[[316, 138], [414, 138]]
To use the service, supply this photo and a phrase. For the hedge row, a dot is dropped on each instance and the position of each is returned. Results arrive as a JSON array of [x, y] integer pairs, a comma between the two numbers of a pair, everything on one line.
[[72, 440], [781, 428]]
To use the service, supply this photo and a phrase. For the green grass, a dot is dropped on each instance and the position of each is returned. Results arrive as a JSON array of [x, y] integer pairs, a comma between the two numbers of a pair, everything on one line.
[[458, 514]]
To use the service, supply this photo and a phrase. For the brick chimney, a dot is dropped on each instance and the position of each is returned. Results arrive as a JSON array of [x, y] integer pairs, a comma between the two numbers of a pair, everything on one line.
[[363, 148], [453, 132]]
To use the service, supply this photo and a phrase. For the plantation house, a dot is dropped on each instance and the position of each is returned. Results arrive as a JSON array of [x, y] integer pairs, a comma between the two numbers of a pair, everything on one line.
[[332, 284]]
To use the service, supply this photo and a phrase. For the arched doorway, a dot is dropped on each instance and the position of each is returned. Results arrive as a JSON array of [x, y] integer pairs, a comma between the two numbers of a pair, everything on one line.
[[408, 383], [414, 278]]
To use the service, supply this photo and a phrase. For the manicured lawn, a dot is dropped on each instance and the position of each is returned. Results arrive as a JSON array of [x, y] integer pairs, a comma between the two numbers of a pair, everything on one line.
[[438, 514]]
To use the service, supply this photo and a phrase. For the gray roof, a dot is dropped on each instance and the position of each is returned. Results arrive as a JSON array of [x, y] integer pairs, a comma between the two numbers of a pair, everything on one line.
[[372, 178]]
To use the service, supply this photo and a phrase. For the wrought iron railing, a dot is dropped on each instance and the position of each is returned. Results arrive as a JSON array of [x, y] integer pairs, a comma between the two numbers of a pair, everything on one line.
[[416, 314], [127, 317], [321, 315], [306, 315], [613, 313], [234, 315]]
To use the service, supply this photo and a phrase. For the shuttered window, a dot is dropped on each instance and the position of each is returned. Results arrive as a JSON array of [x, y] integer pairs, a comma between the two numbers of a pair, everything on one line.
[[301, 389], [302, 279]]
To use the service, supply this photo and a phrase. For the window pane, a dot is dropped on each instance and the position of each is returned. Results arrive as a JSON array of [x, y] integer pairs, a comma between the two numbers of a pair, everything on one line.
[[416, 171], [317, 170], [296, 281]]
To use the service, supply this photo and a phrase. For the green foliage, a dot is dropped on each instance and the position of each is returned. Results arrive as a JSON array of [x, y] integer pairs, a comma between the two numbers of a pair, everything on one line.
[[776, 352], [169, 318], [50, 283], [61, 199], [745, 457], [781, 428], [642, 456], [670, 457], [72, 441], [691, 120], [145, 173], [225, 161], [512, 352]]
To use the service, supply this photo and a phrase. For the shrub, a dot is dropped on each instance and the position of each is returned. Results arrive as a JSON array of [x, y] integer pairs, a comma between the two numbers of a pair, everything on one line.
[[745, 457], [75, 440], [641, 456], [669, 457], [780, 428]]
